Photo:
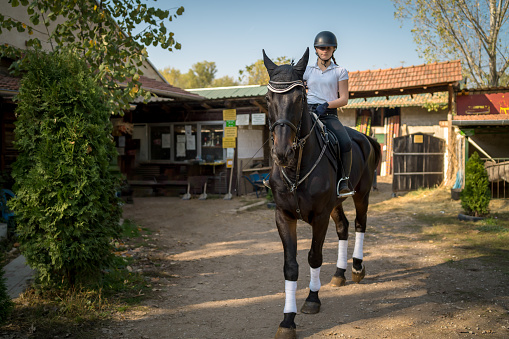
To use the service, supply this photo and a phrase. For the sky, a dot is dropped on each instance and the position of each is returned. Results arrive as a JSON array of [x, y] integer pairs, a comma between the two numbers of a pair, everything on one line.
[[233, 33]]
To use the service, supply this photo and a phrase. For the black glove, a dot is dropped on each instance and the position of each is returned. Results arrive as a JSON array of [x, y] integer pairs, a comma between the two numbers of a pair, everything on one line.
[[321, 109]]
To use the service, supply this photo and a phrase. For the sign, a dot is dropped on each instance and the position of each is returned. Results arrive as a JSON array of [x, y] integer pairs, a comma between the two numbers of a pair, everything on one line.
[[230, 123], [229, 153], [229, 142], [418, 139], [258, 119], [242, 119], [494, 103], [229, 163], [229, 114], [230, 132]]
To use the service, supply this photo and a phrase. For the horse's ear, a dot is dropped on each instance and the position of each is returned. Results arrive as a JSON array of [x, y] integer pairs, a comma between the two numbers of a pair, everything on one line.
[[268, 63], [300, 68]]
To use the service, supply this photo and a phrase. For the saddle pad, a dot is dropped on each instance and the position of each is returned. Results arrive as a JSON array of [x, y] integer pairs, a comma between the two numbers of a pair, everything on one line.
[[333, 146]]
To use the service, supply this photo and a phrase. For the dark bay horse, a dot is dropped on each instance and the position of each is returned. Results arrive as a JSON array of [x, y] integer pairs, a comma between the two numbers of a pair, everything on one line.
[[303, 182]]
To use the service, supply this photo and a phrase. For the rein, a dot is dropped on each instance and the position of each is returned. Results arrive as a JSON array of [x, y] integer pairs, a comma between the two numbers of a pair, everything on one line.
[[280, 88]]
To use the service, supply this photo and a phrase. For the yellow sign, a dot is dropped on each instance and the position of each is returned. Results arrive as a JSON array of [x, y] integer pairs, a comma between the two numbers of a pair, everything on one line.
[[230, 132], [229, 163], [229, 114], [418, 139], [229, 142]]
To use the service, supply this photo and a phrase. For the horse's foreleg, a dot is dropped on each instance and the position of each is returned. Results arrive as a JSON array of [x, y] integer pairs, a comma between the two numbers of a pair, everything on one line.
[[359, 270], [287, 228], [338, 215], [315, 259]]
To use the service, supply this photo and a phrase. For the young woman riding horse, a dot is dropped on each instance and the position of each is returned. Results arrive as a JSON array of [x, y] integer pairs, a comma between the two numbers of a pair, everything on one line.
[[325, 80], [303, 181]]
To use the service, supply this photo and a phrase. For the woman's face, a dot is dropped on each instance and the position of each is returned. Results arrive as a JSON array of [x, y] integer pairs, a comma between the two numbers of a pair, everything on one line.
[[325, 53]]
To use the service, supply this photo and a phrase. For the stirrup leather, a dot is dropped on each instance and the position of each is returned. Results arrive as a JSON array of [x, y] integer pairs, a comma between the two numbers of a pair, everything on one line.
[[343, 194]]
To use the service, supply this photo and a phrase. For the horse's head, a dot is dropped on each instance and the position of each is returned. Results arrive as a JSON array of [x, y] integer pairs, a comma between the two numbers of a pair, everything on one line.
[[286, 100]]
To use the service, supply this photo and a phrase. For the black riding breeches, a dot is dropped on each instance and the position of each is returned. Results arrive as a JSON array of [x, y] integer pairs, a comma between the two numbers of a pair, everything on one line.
[[331, 121]]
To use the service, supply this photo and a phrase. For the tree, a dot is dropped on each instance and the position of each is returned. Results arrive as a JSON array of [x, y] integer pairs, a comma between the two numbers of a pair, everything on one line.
[[110, 35], [66, 209], [225, 82], [256, 73], [474, 31], [201, 75]]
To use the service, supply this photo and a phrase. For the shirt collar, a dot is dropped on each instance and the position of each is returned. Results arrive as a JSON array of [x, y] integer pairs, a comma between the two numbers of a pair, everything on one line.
[[331, 66]]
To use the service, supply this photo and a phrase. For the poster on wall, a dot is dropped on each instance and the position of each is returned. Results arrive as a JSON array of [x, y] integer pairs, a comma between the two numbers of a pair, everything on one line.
[[242, 119], [258, 119], [166, 140], [190, 139]]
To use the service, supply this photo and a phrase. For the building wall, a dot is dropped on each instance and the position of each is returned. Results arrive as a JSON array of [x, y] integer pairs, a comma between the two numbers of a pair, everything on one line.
[[420, 120]]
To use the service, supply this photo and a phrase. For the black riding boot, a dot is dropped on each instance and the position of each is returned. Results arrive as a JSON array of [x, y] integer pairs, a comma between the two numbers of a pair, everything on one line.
[[346, 163]]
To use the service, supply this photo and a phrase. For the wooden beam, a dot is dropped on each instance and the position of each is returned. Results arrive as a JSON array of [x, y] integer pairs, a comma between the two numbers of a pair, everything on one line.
[[260, 106], [187, 107], [205, 105]]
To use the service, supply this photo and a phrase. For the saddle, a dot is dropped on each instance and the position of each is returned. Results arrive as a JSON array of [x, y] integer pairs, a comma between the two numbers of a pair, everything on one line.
[[324, 136]]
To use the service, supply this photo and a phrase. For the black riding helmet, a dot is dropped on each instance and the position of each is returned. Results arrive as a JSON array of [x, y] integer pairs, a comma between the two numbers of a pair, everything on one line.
[[326, 38]]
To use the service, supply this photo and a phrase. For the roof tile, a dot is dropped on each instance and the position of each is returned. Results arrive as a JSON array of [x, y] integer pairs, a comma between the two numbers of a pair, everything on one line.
[[405, 77]]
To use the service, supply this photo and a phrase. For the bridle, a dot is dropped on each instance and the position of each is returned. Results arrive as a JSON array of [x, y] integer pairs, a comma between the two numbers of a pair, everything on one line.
[[280, 88]]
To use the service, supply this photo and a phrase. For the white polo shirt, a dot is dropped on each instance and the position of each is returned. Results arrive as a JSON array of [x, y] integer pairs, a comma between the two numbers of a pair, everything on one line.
[[323, 85]]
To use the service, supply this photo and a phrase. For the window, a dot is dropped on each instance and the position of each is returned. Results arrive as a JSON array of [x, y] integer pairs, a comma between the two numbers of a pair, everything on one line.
[[180, 142], [185, 142], [212, 143], [160, 145]]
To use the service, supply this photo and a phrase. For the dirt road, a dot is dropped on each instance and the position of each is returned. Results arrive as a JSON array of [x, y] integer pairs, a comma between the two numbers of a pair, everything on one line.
[[217, 273]]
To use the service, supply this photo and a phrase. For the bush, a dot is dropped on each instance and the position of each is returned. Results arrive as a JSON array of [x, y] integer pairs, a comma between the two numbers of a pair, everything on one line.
[[6, 304], [475, 197], [65, 205]]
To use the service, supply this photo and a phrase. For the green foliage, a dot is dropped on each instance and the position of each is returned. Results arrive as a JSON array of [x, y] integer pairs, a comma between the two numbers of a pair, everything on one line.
[[65, 204], [201, 75], [256, 73], [6, 304], [111, 35], [475, 197], [471, 31]]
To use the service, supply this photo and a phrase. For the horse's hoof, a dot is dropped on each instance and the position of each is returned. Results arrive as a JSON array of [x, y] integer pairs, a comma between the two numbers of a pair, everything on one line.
[[357, 276], [338, 281], [286, 333], [310, 307]]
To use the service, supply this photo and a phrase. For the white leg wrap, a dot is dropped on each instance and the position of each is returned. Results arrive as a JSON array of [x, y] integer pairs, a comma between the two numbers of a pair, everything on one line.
[[314, 282], [290, 302], [359, 242], [342, 254]]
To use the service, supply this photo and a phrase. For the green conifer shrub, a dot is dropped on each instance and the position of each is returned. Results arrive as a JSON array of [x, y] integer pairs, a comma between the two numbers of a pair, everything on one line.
[[476, 196], [6, 304], [65, 205]]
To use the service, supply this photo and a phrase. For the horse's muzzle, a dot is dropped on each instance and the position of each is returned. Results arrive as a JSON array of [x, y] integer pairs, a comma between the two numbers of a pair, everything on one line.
[[283, 156]]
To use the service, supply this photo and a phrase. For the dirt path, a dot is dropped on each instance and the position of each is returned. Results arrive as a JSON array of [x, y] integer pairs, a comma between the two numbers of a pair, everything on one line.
[[218, 274]]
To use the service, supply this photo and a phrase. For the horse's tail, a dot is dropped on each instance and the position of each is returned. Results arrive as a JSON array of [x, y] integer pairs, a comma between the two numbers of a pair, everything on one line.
[[377, 148]]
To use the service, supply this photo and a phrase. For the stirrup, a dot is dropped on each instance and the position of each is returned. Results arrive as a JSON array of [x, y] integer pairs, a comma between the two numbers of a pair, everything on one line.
[[347, 194]]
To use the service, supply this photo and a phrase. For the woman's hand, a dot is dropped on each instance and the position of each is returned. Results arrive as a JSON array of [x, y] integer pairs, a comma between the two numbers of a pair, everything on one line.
[[321, 109]]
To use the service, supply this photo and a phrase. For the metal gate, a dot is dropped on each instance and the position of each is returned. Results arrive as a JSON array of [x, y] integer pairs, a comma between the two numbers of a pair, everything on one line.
[[418, 162]]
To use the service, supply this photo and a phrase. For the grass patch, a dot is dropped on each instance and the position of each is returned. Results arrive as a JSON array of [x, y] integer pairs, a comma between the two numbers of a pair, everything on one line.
[[76, 313]]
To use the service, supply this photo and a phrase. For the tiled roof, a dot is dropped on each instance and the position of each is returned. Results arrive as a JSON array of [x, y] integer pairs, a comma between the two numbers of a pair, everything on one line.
[[440, 98], [8, 83], [483, 117], [405, 77], [164, 89], [231, 92]]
